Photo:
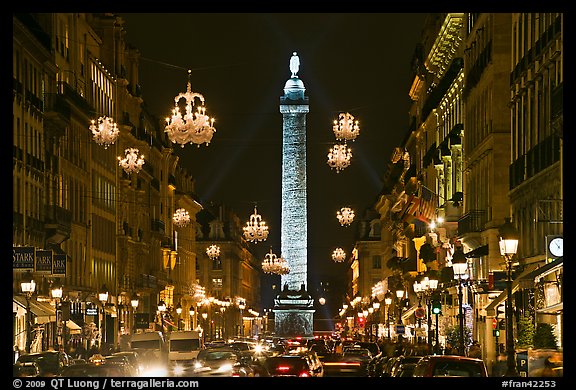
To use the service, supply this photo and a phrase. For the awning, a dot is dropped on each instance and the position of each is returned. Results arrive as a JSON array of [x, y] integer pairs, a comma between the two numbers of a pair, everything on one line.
[[529, 280], [554, 309], [477, 252], [409, 312], [491, 308], [42, 311], [73, 328]]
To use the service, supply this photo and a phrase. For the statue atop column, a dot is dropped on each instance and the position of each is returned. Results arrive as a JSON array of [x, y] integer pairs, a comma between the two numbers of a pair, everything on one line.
[[294, 64]]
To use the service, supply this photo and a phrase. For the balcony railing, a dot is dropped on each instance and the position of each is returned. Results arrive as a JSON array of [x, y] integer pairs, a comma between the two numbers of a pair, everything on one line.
[[472, 221]]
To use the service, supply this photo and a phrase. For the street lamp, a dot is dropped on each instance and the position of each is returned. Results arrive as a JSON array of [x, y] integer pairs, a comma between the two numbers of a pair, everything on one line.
[[429, 289], [56, 293], [205, 317], [388, 302], [460, 266], [28, 286], [222, 311], [103, 297], [191, 312], [376, 315], [179, 312], [242, 306], [161, 310], [134, 302], [508, 247]]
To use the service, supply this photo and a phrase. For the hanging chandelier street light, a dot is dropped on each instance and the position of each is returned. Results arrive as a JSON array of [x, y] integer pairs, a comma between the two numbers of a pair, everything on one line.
[[181, 218], [345, 216], [339, 157], [105, 132], [338, 255], [131, 163], [213, 252], [275, 265], [195, 127], [256, 229], [346, 128]]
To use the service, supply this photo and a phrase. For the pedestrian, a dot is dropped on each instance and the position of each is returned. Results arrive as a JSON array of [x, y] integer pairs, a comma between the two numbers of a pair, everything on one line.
[[475, 351], [500, 366], [548, 368]]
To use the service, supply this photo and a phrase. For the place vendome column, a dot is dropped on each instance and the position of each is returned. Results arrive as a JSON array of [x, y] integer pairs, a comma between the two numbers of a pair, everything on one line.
[[293, 307]]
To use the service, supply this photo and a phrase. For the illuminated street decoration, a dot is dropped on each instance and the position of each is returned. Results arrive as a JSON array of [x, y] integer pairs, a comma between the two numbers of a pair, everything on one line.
[[338, 255], [105, 132], [275, 265], [346, 128], [213, 252], [181, 218], [256, 229], [345, 216], [339, 157], [195, 127], [131, 163]]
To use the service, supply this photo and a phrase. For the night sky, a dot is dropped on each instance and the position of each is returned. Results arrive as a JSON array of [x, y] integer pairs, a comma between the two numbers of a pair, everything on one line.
[[356, 63]]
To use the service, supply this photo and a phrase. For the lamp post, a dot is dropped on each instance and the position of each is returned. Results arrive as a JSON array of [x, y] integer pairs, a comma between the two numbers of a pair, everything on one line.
[[429, 286], [399, 295], [179, 312], [191, 312], [161, 310], [103, 297], [460, 266], [28, 286], [205, 317], [56, 293], [134, 302], [419, 290], [508, 247], [376, 307], [242, 306], [222, 311], [388, 302]]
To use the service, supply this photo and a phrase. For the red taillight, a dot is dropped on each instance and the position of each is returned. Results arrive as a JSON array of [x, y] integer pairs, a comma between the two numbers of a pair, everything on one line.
[[303, 374], [283, 368]]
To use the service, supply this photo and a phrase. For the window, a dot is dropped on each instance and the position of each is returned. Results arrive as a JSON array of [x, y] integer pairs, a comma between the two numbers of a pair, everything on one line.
[[377, 262]]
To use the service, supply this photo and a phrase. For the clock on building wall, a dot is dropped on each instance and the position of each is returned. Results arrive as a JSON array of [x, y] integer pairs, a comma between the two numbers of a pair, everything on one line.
[[555, 246]]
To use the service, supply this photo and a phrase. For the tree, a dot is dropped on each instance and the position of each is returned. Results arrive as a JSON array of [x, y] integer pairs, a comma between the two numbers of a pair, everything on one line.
[[545, 337], [453, 336], [526, 331], [427, 253]]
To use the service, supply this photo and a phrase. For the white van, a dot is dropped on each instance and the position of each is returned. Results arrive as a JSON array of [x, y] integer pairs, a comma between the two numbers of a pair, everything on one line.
[[152, 349], [183, 348]]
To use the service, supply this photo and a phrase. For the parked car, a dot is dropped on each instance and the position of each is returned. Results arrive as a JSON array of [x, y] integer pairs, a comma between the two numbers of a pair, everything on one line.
[[405, 370], [222, 361], [450, 365], [400, 360], [50, 363], [134, 359], [353, 361], [93, 370], [300, 364], [26, 369]]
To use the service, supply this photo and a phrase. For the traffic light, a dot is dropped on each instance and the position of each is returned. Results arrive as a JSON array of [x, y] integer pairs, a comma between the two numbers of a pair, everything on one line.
[[496, 332], [361, 321], [436, 307]]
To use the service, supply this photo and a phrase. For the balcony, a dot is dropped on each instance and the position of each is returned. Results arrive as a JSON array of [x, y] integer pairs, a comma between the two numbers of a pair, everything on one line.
[[57, 223], [57, 112], [157, 226], [473, 221]]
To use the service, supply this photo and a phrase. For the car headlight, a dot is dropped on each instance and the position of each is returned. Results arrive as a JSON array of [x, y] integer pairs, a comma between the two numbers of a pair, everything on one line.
[[225, 368], [178, 370], [156, 371]]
